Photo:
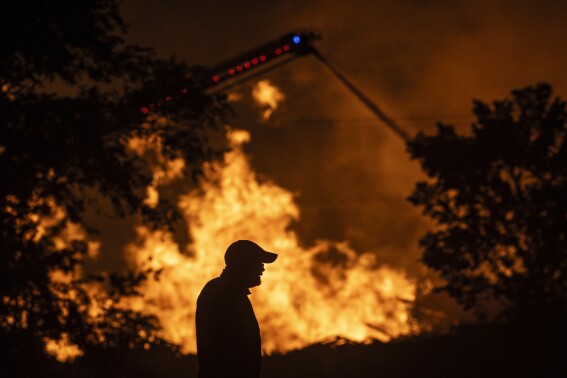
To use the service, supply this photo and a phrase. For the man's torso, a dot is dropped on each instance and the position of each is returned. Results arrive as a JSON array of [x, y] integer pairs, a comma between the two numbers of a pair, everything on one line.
[[228, 336]]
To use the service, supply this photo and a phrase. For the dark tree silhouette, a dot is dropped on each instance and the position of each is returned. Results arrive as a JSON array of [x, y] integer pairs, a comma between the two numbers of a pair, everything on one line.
[[498, 198], [57, 150]]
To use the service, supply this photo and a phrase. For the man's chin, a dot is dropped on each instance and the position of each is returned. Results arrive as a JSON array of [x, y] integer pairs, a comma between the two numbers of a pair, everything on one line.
[[254, 283]]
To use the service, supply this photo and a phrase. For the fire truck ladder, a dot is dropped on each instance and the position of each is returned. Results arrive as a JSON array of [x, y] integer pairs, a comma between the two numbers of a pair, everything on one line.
[[275, 54]]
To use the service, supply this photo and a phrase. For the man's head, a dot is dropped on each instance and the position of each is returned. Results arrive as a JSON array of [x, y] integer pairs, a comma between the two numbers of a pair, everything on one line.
[[246, 259]]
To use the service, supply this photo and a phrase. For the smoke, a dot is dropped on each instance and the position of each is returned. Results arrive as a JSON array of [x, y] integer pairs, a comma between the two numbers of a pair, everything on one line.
[[421, 61]]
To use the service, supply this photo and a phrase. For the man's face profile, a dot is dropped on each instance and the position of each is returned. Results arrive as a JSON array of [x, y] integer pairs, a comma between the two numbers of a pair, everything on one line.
[[245, 261], [250, 273]]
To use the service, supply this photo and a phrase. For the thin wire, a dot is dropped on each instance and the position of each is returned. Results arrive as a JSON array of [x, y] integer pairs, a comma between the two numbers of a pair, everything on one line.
[[349, 202], [366, 119], [341, 122], [310, 127]]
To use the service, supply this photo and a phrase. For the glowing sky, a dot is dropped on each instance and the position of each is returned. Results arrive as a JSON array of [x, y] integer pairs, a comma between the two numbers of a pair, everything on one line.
[[422, 61]]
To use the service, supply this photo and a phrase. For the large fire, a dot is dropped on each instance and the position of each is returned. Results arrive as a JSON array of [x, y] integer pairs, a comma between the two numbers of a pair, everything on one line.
[[308, 295]]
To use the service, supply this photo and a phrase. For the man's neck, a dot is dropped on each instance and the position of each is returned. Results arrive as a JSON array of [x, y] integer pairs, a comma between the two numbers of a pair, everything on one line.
[[235, 281]]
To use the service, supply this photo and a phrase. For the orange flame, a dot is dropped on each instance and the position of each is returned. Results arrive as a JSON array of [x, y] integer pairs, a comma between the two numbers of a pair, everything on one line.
[[304, 298], [63, 349], [268, 96], [151, 149]]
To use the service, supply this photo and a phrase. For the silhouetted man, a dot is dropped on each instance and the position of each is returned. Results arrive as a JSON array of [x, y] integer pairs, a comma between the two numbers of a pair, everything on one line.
[[228, 336]]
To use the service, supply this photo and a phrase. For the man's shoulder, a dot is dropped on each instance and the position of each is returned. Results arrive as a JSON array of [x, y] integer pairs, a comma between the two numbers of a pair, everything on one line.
[[213, 288]]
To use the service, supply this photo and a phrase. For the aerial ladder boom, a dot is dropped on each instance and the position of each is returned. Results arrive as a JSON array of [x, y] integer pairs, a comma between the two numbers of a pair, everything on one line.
[[365, 100], [270, 56], [262, 59]]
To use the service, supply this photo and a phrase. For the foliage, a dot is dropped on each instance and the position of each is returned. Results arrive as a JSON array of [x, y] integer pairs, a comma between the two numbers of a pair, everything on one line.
[[498, 198], [56, 150]]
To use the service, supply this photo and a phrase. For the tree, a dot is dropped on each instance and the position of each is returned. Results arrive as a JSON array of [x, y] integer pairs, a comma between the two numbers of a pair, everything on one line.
[[498, 198], [57, 150]]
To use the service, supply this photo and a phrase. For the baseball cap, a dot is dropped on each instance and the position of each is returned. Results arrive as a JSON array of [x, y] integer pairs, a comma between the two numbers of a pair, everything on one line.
[[246, 251]]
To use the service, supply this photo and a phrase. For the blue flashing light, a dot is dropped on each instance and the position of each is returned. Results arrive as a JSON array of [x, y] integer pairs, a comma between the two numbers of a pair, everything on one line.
[[296, 39]]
